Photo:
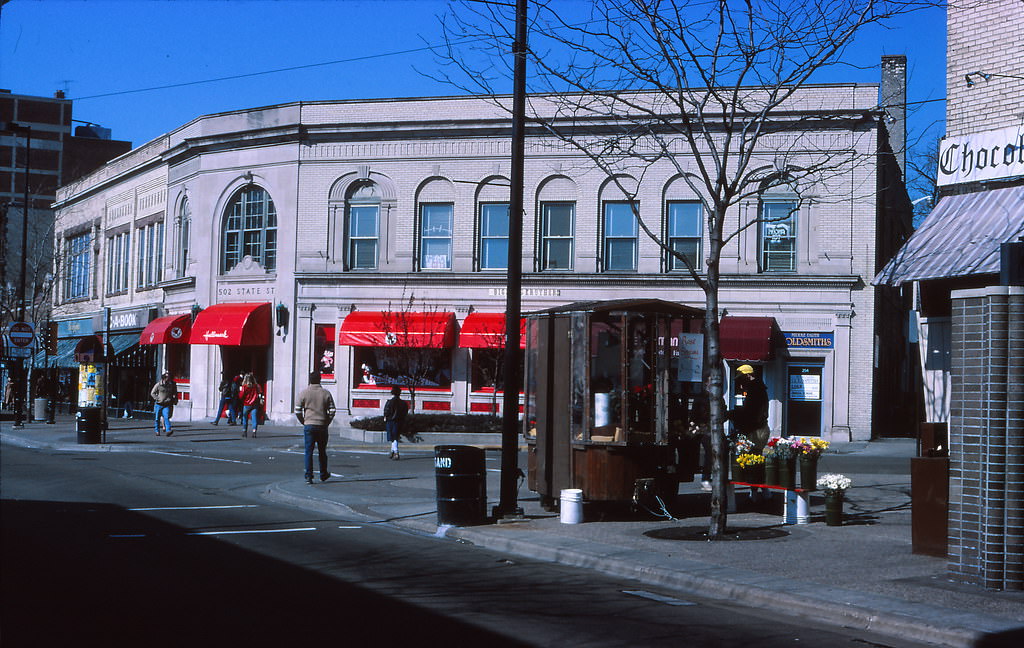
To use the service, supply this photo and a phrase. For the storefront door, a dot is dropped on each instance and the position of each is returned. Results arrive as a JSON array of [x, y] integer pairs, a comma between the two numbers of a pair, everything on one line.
[[803, 399]]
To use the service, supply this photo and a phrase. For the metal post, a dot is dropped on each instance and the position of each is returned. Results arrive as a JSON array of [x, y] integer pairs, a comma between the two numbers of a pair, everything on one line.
[[508, 507], [22, 387]]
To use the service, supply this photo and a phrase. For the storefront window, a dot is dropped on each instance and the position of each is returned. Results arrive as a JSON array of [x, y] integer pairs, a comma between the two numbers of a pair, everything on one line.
[[323, 350], [178, 361], [487, 369], [403, 366]]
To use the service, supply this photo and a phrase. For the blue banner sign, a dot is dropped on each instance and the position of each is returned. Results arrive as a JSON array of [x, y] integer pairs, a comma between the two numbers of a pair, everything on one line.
[[75, 327], [824, 341]]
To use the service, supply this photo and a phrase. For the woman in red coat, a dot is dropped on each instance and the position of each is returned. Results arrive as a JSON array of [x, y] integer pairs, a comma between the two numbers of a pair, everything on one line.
[[252, 400]]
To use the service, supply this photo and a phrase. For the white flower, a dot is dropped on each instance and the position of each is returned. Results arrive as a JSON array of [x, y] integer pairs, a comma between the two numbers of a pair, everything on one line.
[[834, 482]]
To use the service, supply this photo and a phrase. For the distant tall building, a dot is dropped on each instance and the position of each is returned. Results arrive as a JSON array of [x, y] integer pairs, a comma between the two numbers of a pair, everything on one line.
[[57, 157]]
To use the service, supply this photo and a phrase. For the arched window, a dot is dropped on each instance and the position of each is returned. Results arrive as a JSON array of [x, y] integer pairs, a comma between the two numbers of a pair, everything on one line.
[[362, 226], [184, 229], [250, 229]]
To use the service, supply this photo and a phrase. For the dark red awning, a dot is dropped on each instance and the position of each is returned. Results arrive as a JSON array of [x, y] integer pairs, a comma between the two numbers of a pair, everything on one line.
[[241, 324], [398, 329], [750, 339], [173, 329], [487, 331]]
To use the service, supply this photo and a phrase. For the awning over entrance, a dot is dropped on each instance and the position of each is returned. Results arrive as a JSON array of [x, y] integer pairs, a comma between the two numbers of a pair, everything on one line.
[[960, 237], [64, 358], [240, 324], [487, 331], [398, 329], [748, 339], [173, 329]]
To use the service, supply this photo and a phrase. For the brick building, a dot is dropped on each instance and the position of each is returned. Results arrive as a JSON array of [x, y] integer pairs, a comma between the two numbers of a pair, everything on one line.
[[334, 234], [967, 260], [58, 155]]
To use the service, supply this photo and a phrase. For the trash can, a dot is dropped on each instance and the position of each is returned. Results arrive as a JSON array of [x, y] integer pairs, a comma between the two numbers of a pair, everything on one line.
[[461, 477], [39, 407], [87, 423]]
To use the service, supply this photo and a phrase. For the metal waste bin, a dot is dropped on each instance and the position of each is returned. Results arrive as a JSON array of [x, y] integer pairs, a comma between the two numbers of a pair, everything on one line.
[[461, 476], [87, 423], [39, 407]]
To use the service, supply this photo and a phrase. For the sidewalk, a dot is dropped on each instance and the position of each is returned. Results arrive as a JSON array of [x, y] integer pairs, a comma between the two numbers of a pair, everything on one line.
[[860, 575]]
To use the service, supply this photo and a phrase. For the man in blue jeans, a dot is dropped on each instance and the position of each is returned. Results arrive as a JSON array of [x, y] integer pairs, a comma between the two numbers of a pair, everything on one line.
[[315, 410], [165, 394]]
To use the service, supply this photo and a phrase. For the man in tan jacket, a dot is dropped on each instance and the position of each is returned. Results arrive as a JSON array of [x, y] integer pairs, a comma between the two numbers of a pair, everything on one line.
[[315, 410]]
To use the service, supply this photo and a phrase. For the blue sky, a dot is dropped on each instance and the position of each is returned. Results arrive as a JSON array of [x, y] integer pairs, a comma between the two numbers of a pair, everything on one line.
[[90, 48]]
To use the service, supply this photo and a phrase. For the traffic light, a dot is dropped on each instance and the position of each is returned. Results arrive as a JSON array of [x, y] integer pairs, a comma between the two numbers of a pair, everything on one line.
[[51, 338]]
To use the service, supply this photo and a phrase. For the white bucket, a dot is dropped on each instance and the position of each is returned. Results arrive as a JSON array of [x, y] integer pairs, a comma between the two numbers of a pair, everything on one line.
[[571, 508]]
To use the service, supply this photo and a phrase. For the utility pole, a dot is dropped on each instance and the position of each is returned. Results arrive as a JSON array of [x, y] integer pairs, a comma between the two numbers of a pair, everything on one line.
[[508, 507], [22, 386]]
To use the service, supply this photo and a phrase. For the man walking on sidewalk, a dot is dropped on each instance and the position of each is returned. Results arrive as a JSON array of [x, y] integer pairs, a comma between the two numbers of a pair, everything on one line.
[[315, 410], [165, 395]]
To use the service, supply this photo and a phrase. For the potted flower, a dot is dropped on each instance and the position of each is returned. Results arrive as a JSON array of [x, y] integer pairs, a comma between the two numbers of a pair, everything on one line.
[[771, 464], [786, 452], [811, 450], [834, 487], [751, 468]]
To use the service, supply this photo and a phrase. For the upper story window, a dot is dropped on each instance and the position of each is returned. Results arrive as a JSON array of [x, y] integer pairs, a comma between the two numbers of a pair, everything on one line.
[[118, 262], [557, 223], [362, 231], [494, 236], [77, 254], [184, 234], [250, 229], [150, 241], [620, 230], [777, 236], [436, 236], [684, 229]]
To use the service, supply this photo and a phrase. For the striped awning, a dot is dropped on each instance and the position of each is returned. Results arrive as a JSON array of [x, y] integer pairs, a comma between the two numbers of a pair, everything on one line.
[[961, 237]]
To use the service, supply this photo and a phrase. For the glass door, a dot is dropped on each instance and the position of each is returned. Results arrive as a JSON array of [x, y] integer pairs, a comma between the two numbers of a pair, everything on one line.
[[803, 402]]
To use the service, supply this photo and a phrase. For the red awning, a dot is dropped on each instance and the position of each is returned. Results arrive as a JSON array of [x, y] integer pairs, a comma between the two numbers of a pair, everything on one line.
[[398, 329], [233, 325], [172, 329], [487, 331], [750, 339]]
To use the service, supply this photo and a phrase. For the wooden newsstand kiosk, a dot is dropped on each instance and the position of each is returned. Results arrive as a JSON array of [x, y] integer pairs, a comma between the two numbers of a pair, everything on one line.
[[604, 407]]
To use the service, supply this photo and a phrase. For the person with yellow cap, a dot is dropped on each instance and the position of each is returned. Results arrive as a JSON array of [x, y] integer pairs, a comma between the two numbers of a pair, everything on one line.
[[751, 418]]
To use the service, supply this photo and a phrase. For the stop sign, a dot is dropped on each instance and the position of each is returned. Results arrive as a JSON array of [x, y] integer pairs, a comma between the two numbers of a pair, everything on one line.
[[21, 334]]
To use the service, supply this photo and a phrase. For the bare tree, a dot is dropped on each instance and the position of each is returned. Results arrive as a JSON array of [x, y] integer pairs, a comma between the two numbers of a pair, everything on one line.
[[713, 90]]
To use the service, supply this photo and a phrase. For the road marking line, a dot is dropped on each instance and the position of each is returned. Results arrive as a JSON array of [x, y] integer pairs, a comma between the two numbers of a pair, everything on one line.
[[194, 508], [350, 527], [192, 456], [205, 533], [667, 600]]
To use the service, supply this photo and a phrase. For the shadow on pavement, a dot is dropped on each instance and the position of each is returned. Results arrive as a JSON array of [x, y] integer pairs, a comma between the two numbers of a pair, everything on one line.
[[89, 574]]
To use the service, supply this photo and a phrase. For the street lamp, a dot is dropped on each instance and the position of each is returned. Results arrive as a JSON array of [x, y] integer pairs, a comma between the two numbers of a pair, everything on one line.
[[19, 392]]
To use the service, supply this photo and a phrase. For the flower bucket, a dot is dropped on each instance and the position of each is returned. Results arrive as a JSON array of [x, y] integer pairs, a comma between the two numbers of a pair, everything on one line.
[[754, 474], [834, 509], [787, 473], [808, 472], [771, 471]]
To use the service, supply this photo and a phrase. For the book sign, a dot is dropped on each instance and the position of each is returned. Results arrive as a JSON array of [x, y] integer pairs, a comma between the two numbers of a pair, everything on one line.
[[691, 357]]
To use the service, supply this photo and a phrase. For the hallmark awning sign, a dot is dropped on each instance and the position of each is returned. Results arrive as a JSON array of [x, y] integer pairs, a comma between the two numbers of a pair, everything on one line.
[[981, 156]]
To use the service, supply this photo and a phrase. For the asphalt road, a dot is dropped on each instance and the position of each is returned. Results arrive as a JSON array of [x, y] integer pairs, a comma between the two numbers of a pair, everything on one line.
[[177, 549]]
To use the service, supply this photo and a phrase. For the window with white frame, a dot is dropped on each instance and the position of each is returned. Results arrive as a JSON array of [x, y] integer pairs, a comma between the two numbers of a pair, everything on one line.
[[619, 230], [556, 227], [150, 243], [184, 234], [777, 239], [250, 229], [118, 262], [436, 236], [684, 228], [494, 236], [77, 253]]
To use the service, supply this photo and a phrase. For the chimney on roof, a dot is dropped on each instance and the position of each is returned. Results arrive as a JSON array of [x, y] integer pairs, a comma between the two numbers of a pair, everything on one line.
[[893, 100], [59, 94]]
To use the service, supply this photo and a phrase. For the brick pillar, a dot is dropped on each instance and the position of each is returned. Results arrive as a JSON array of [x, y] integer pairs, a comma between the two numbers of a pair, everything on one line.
[[986, 503]]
